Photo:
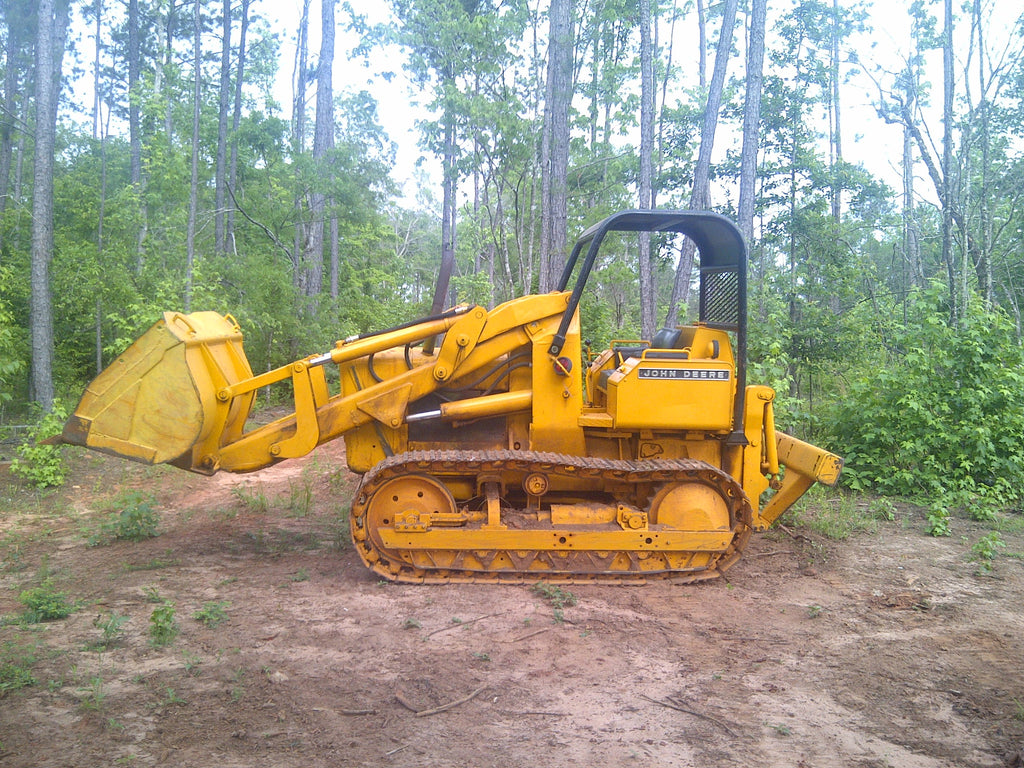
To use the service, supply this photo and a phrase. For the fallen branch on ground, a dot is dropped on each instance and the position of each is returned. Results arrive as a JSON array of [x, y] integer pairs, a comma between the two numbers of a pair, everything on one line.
[[452, 705], [679, 708], [455, 625]]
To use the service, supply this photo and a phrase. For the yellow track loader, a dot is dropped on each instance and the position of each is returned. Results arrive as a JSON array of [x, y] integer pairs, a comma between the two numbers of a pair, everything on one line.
[[498, 454]]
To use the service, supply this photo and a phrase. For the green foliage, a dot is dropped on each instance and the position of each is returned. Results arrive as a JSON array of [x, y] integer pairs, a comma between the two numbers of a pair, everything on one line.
[[557, 597], [94, 695], [45, 603], [112, 627], [42, 465], [16, 667], [986, 549], [836, 516], [12, 359], [253, 498], [943, 417], [137, 519], [163, 627], [938, 521], [212, 614]]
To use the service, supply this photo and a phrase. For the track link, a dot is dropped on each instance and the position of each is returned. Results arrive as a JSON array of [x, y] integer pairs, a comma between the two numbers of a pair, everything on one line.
[[464, 548]]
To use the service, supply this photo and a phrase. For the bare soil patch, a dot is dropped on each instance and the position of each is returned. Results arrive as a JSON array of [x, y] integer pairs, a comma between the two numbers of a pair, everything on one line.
[[887, 649]]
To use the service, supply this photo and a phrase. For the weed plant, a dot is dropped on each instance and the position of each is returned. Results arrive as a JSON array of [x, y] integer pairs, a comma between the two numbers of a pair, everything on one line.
[[986, 549], [252, 498], [42, 465], [163, 627], [45, 603], [557, 597], [16, 667], [938, 521], [112, 627], [135, 520], [212, 613], [837, 516]]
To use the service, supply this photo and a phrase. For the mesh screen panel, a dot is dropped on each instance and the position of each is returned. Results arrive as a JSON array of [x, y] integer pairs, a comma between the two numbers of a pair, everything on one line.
[[720, 299]]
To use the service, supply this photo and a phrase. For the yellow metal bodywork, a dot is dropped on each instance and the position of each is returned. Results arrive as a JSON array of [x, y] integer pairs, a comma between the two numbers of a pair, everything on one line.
[[157, 402], [183, 394]]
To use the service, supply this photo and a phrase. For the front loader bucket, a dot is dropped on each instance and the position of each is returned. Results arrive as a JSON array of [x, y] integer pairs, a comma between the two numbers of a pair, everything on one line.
[[158, 400]]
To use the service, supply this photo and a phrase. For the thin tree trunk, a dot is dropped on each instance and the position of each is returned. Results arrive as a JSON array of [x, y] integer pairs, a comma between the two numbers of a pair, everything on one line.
[[323, 140], [555, 145], [983, 262], [236, 121], [11, 109], [699, 199], [168, 57], [298, 146], [100, 131], [947, 161], [50, 39], [664, 97], [752, 117], [220, 173], [834, 111], [702, 46], [647, 307], [98, 10], [193, 196], [911, 241], [135, 124], [134, 95]]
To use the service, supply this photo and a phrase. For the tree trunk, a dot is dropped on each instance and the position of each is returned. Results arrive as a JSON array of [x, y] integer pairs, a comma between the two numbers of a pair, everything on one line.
[[983, 261], [448, 200], [134, 95], [752, 117], [702, 46], [99, 131], [193, 195], [50, 39], [666, 77], [220, 173], [16, 18], [947, 161], [836, 140], [699, 199], [168, 57], [323, 140], [236, 121], [911, 240], [298, 147], [555, 145], [647, 306], [98, 10]]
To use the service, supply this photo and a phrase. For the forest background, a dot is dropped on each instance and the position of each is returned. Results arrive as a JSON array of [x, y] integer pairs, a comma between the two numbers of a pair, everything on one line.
[[148, 162]]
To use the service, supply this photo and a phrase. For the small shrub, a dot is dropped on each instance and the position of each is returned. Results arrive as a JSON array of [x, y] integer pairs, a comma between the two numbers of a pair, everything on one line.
[[45, 603], [163, 627], [212, 614], [112, 627], [16, 668], [938, 521], [42, 465], [557, 597], [986, 549], [137, 519], [95, 695], [882, 509]]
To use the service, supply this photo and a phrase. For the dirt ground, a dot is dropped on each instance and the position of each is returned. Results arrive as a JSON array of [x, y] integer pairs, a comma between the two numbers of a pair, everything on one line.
[[889, 648]]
